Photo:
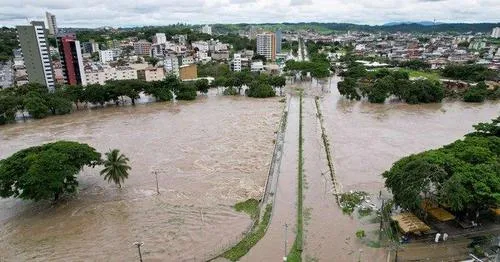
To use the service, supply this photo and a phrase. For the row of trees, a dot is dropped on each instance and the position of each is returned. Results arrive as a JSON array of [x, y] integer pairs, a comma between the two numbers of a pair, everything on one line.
[[39, 102], [382, 84], [464, 175], [259, 85], [318, 66], [473, 73], [49, 171]]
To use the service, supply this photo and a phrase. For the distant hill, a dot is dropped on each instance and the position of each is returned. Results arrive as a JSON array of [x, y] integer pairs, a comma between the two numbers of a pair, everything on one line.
[[424, 23]]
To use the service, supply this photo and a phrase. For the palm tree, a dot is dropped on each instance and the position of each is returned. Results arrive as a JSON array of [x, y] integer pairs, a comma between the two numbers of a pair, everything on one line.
[[115, 167]]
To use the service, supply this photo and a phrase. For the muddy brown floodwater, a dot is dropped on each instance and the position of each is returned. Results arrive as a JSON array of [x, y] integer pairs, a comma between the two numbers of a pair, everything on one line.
[[210, 154], [367, 138]]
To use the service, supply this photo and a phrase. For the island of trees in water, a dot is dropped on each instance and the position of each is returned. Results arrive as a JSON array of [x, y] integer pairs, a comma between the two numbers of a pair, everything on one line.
[[379, 84], [463, 176]]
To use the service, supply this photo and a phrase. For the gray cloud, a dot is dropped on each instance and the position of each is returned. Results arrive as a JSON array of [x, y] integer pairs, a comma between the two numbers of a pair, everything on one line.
[[95, 13], [300, 2]]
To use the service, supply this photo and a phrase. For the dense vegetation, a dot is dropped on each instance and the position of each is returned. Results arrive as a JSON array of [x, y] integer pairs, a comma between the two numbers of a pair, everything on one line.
[[318, 66], [260, 85], [45, 172], [464, 175], [8, 42], [473, 73], [379, 85], [39, 102]]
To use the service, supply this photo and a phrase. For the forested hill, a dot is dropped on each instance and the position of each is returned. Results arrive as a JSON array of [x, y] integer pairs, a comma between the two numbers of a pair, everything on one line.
[[401, 27]]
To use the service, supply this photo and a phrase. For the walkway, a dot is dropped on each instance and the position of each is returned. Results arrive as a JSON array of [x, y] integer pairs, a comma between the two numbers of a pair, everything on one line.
[[271, 246]]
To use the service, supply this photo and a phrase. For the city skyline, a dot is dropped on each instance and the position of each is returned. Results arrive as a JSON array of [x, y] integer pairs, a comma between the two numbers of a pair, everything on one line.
[[130, 13]]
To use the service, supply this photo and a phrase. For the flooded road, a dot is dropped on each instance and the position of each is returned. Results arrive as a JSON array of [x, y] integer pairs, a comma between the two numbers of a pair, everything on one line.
[[272, 246], [210, 154]]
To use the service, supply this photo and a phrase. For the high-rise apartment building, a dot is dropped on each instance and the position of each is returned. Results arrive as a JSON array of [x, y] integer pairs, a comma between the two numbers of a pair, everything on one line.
[[236, 64], [160, 38], [206, 29], [266, 45], [496, 32], [35, 49], [142, 47], [52, 23], [71, 60], [279, 39]]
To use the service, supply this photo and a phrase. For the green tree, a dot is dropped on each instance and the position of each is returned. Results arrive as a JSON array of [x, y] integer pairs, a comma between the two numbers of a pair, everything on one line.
[[36, 106], [202, 85], [348, 88], [46, 171], [260, 90], [115, 167], [96, 94], [464, 175], [476, 93]]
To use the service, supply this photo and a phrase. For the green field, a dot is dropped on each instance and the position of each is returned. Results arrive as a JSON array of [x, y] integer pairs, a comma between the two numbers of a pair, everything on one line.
[[428, 75]]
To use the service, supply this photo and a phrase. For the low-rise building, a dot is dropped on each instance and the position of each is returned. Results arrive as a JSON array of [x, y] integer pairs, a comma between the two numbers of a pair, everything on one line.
[[220, 56], [257, 66], [151, 74], [100, 74], [188, 72]]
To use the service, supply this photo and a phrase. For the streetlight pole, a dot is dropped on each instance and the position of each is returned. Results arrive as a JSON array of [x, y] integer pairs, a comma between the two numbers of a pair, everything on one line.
[[286, 241], [156, 177], [139, 244]]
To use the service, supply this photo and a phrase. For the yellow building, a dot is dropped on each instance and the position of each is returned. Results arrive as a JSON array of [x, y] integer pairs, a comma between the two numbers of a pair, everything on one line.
[[187, 72]]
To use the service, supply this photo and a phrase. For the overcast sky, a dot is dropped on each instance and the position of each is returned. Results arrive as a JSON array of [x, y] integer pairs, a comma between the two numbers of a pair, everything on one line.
[[96, 13]]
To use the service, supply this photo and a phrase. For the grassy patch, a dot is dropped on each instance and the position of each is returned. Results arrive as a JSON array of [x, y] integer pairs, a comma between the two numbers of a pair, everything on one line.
[[240, 249], [429, 75], [250, 206], [365, 211], [296, 251]]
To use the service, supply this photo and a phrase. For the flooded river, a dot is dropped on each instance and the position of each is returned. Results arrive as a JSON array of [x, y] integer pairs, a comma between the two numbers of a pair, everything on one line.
[[367, 138], [209, 154]]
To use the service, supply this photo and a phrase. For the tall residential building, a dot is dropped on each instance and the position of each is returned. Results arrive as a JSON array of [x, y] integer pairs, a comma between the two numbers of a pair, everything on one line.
[[71, 60], [496, 32], [51, 22], [106, 56], [171, 65], [160, 38], [95, 46], [236, 64], [206, 29], [266, 45], [35, 49], [279, 38], [142, 47]]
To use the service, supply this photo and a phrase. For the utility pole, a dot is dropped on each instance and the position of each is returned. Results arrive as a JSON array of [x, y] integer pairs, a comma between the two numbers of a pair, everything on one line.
[[139, 244], [286, 240], [157, 187], [381, 221]]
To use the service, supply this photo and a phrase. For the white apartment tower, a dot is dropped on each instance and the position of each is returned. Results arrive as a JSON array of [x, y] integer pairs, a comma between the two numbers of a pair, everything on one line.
[[496, 32], [160, 38], [52, 23], [266, 45], [206, 29], [237, 63]]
